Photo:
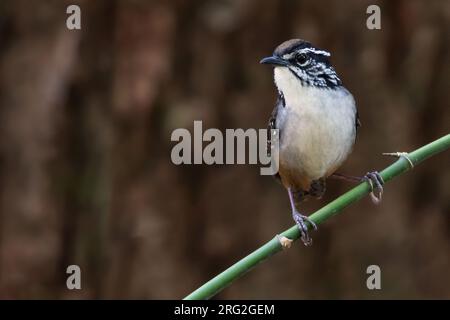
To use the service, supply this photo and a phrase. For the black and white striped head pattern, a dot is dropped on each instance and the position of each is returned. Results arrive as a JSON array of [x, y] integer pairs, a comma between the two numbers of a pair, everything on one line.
[[308, 63]]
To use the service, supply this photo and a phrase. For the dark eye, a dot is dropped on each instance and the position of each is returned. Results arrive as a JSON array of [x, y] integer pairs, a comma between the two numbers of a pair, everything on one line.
[[302, 59]]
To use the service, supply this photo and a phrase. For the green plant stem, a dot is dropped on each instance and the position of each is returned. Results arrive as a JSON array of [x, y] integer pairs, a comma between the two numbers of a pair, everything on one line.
[[402, 165]]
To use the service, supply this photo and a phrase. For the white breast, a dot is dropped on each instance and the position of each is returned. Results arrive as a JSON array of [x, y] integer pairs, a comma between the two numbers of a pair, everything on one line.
[[317, 126]]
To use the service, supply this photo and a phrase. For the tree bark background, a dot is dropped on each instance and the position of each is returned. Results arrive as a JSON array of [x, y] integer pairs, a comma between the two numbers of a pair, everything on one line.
[[85, 171]]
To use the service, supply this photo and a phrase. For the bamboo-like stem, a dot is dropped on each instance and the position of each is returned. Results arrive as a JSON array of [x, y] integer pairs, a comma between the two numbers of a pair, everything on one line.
[[221, 281]]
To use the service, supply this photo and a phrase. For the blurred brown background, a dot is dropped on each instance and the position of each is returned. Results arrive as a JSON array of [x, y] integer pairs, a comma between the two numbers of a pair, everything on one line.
[[85, 170]]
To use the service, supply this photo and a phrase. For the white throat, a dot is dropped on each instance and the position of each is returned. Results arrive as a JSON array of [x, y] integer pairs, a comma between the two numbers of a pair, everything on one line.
[[288, 84]]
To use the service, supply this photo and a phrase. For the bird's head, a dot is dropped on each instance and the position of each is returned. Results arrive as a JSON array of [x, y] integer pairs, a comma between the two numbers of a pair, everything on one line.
[[309, 65]]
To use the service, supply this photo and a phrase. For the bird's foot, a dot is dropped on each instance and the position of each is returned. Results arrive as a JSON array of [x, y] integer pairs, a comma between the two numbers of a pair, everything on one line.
[[400, 155], [376, 185], [301, 220]]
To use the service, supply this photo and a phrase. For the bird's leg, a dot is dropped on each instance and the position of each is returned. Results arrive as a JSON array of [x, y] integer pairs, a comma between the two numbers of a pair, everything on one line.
[[300, 220], [373, 178], [345, 177]]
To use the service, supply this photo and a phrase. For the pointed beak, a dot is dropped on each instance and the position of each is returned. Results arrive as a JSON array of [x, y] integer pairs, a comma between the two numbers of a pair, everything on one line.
[[274, 60]]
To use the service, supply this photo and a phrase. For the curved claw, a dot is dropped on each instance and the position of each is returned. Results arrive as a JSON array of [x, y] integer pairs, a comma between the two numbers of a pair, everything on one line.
[[376, 184], [300, 221]]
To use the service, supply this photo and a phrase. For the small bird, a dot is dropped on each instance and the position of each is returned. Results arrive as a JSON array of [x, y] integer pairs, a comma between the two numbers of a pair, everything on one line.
[[317, 121]]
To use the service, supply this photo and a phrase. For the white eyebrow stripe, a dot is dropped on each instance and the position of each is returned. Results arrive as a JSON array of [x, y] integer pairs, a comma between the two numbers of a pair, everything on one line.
[[316, 51], [288, 56]]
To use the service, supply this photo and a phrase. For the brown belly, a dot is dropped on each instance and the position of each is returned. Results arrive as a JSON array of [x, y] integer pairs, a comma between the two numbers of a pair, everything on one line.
[[294, 178], [297, 179]]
